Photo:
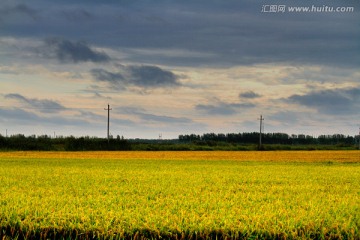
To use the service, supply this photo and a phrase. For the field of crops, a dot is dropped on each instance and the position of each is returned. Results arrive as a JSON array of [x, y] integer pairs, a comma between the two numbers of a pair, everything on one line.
[[180, 195]]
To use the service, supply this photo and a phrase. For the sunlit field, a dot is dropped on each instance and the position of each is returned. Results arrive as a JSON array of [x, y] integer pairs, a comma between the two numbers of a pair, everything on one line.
[[180, 195]]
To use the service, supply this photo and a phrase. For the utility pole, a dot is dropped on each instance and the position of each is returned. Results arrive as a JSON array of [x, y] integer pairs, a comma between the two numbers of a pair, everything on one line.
[[261, 126], [359, 138], [108, 122]]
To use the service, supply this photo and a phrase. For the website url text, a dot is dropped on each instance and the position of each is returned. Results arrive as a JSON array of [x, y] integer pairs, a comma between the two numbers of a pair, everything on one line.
[[309, 9]]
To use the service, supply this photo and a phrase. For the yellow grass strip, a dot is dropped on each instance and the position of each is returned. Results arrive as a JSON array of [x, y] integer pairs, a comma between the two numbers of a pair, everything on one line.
[[262, 156]]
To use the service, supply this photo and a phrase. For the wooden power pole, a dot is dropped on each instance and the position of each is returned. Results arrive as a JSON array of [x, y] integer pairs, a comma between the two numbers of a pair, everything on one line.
[[108, 122], [261, 126]]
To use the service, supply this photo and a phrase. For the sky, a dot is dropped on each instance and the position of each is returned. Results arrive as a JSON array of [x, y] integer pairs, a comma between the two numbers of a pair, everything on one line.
[[171, 67]]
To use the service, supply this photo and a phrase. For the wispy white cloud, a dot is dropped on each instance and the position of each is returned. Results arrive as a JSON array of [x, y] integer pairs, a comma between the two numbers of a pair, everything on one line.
[[42, 105], [223, 108]]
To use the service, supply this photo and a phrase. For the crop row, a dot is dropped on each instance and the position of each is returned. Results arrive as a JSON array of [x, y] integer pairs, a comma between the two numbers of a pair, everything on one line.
[[351, 156], [172, 196]]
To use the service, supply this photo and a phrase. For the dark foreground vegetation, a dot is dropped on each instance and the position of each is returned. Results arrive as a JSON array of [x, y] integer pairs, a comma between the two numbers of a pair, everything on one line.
[[191, 142], [53, 233]]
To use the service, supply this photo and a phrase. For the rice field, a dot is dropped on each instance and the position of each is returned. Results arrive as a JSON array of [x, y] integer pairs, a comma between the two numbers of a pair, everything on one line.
[[180, 195]]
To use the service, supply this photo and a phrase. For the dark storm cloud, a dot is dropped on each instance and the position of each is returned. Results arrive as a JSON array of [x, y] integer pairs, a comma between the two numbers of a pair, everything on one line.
[[43, 105], [333, 102], [18, 115], [249, 94], [141, 76], [200, 32], [222, 108], [18, 10], [115, 80], [152, 76], [236, 32], [75, 15], [72, 52], [24, 117]]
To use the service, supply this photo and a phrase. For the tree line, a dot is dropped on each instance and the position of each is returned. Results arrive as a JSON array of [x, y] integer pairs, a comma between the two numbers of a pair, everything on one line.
[[269, 138], [188, 142], [47, 143]]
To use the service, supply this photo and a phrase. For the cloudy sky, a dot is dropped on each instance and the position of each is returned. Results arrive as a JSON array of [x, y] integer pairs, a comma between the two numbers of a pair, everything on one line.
[[179, 66]]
